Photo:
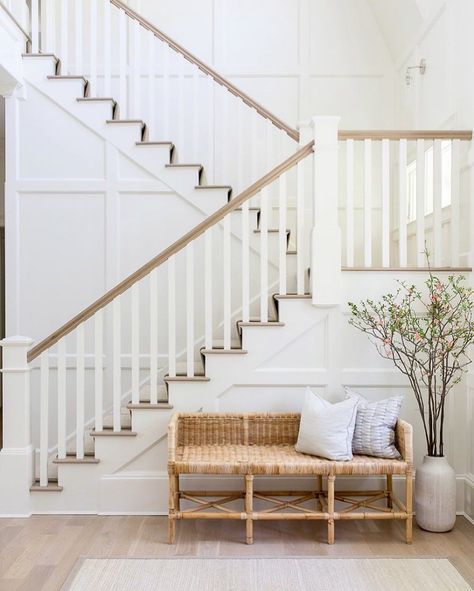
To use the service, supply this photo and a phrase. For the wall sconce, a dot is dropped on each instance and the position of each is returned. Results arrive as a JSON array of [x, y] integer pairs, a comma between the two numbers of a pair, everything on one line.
[[421, 67]]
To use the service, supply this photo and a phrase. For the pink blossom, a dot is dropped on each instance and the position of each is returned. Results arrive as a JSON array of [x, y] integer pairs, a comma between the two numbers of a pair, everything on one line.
[[387, 341], [439, 286], [417, 337]]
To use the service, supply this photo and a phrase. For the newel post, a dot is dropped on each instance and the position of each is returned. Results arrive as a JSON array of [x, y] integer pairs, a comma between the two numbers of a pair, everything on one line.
[[326, 233], [16, 456]]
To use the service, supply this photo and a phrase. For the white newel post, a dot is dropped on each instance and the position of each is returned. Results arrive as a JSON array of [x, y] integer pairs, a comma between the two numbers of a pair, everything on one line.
[[16, 456], [326, 233]]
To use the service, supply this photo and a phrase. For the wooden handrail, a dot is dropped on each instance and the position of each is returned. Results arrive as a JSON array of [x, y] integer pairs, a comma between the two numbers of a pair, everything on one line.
[[397, 134], [13, 19], [158, 260], [293, 133]]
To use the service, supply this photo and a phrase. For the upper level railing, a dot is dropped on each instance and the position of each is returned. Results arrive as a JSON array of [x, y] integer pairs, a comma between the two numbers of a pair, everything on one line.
[[402, 191], [153, 78]]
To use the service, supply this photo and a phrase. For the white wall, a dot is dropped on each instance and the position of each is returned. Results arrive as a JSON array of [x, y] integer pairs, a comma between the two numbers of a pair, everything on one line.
[[298, 57]]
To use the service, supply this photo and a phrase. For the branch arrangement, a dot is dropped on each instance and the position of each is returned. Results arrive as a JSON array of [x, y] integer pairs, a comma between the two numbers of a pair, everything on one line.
[[428, 337]]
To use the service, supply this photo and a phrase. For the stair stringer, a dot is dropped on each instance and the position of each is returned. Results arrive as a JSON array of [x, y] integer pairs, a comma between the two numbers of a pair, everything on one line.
[[131, 477]]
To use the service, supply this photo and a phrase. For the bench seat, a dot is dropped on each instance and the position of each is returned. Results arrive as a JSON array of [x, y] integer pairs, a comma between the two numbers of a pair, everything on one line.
[[275, 460]]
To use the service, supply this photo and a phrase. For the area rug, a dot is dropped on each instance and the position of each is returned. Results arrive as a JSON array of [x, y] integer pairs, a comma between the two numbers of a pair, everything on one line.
[[265, 574]]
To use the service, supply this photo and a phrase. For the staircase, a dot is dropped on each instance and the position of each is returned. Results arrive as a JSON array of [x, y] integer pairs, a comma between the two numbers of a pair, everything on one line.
[[235, 313]]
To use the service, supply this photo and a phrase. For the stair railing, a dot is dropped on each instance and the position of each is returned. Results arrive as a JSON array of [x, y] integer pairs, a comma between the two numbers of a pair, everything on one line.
[[155, 79], [185, 298], [400, 191]]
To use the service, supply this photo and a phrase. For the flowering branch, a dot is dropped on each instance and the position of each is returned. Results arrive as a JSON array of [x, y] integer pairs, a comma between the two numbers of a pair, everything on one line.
[[427, 337]]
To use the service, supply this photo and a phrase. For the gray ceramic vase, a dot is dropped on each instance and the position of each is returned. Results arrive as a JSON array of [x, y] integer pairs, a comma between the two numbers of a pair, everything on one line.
[[435, 495]]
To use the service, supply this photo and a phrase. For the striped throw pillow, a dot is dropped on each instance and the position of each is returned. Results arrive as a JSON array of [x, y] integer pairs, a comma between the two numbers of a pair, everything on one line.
[[374, 433]]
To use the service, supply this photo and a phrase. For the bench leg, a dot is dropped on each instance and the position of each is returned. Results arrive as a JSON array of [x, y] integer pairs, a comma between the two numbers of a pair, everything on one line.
[[389, 491], [173, 505], [331, 480], [249, 507], [409, 506], [319, 489]]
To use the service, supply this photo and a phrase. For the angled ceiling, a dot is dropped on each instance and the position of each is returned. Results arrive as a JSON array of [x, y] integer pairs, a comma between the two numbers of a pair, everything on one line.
[[400, 20]]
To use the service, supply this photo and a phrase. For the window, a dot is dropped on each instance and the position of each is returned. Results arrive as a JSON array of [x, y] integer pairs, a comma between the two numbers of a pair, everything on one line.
[[445, 181]]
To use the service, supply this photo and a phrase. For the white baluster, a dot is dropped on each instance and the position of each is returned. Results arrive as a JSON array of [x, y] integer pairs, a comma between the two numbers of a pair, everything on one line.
[[211, 168], [44, 418], [367, 203], [241, 152], [264, 255], [208, 289], [195, 114], [98, 370], [151, 115], [116, 363], [93, 48], [153, 337], [420, 202], [78, 36], [172, 317], [402, 212], [350, 203], [123, 65], [437, 204], [455, 173], [385, 203], [180, 64], [245, 262], [300, 225], [34, 26], [107, 49], [48, 20], [62, 399], [136, 70], [135, 300], [282, 235], [227, 283], [254, 137], [166, 90], [80, 371], [190, 310], [64, 23], [224, 140]]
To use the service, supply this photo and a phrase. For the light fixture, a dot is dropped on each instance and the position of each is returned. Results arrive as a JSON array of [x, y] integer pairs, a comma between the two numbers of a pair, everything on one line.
[[421, 67]]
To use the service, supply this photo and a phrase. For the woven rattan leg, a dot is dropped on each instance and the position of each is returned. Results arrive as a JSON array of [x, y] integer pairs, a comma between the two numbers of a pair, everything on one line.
[[172, 497], [389, 491], [331, 480], [409, 506], [249, 507]]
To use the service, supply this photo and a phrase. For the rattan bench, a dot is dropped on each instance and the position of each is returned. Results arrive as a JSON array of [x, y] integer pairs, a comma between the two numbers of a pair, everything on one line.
[[262, 444]]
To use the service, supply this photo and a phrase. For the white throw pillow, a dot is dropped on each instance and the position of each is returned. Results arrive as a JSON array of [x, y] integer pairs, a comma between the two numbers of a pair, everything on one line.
[[326, 429]]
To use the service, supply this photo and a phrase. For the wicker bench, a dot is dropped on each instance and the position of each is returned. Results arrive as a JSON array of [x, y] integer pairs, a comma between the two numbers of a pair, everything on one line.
[[263, 444]]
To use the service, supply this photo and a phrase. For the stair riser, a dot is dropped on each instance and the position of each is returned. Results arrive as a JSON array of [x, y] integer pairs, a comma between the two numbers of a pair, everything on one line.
[[94, 113], [154, 156], [67, 90], [38, 68]]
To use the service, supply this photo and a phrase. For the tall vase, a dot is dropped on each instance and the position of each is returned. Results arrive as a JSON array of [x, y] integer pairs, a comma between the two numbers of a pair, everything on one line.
[[435, 495]]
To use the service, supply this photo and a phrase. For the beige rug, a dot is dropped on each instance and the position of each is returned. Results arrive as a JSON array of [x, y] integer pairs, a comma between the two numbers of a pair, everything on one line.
[[266, 574]]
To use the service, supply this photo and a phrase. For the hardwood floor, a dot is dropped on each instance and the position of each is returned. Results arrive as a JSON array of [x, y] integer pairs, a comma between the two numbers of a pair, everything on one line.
[[39, 552]]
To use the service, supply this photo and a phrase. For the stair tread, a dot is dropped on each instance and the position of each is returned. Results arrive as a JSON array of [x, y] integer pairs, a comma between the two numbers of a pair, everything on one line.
[[197, 187], [200, 166], [272, 230], [154, 143], [149, 405], [111, 433], [139, 121], [72, 459], [52, 486], [93, 99], [221, 351], [186, 379], [66, 77], [292, 296]]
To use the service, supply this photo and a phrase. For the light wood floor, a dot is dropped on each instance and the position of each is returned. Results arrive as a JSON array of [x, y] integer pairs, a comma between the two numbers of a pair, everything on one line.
[[39, 552]]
